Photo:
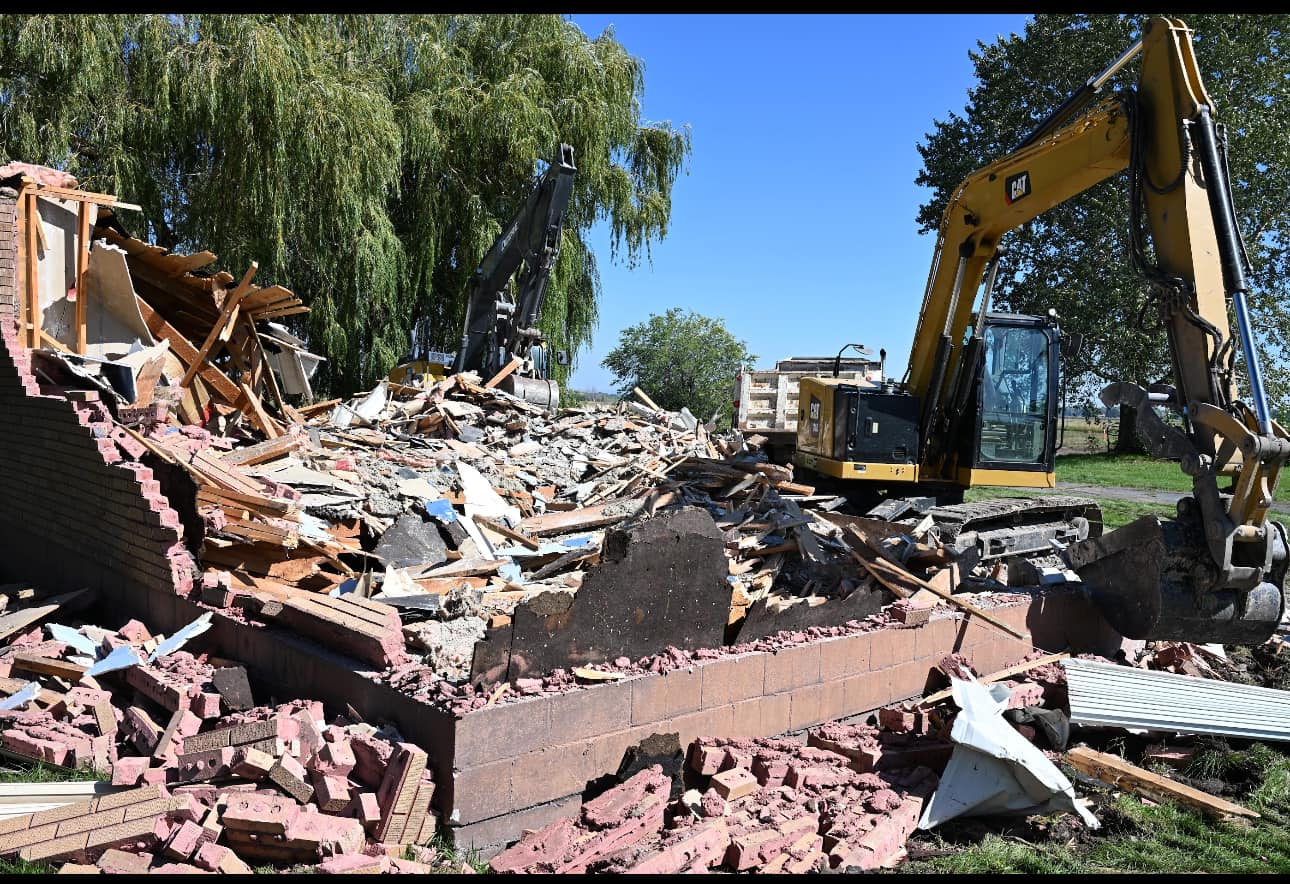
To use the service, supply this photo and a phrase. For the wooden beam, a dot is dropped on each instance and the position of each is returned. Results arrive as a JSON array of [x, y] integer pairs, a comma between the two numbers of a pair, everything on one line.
[[640, 394], [510, 367], [953, 600], [261, 453], [498, 528], [227, 315], [82, 265], [33, 274], [186, 352], [1009, 672], [1119, 773], [259, 415]]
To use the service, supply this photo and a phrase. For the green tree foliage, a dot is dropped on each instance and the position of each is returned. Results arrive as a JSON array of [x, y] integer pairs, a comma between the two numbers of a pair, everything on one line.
[[366, 161], [1075, 257], [680, 360]]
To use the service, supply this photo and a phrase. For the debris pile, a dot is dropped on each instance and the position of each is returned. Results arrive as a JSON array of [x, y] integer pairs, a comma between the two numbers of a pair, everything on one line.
[[206, 779]]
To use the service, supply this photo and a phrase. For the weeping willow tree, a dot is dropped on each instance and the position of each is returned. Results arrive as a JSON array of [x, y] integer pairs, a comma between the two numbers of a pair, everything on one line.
[[367, 162]]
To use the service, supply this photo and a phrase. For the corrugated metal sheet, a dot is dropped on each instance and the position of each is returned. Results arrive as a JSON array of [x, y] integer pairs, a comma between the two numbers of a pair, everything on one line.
[[1107, 694]]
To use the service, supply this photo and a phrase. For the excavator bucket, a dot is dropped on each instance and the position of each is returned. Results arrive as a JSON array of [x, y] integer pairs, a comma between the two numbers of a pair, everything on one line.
[[1153, 579], [545, 394]]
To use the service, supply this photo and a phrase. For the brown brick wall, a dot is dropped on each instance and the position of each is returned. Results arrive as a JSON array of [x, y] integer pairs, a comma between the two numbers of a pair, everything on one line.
[[73, 513], [516, 756]]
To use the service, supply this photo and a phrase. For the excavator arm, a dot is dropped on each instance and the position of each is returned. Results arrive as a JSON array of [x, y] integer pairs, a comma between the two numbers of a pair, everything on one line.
[[497, 327], [1214, 574]]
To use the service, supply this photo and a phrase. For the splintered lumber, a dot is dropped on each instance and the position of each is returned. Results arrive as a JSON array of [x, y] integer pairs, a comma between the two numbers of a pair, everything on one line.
[[364, 629], [1117, 772], [16, 621], [952, 599], [215, 496], [641, 394], [186, 352], [580, 519], [25, 661], [258, 414], [261, 452], [1008, 672], [498, 528], [465, 568], [506, 371], [226, 318]]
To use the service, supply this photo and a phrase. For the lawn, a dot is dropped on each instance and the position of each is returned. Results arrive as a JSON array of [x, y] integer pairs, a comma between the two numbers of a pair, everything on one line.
[[1127, 470], [1135, 836]]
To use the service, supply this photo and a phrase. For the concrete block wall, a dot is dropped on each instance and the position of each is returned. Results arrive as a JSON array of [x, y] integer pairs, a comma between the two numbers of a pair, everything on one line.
[[75, 511], [526, 763]]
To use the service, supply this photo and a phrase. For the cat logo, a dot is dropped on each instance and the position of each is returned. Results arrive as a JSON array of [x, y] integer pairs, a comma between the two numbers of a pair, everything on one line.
[[1016, 186], [813, 418]]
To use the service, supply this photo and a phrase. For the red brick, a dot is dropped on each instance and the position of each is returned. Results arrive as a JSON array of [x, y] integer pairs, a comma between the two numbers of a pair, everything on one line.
[[268, 814], [334, 759], [128, 771], [702, 847], [728, 680], [123, 863], [734, 783], [91, 821], [848, 655], [291, 777], [58, 848], [367, 809], [705, 760], [184, 841], [325, 833], [793, 667]]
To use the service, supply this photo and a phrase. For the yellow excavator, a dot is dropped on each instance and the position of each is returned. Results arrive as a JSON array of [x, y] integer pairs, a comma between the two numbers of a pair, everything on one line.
[[979, 404]]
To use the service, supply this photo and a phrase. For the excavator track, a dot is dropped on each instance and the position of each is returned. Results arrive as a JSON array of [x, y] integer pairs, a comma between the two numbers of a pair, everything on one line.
[[1005, 526]]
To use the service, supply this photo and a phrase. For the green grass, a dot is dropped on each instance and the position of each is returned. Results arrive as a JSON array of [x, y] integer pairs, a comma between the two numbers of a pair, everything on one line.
[[1127, 470], [48, 773], [1137, 837], [22, 867], [1115, 513]]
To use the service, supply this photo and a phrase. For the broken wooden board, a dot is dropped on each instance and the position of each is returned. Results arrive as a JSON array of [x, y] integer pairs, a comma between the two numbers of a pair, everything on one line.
[[1131, 778], [16, 621], [608, 513]]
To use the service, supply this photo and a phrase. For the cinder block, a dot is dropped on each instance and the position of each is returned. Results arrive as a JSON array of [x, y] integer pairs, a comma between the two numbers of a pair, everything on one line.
[[891, 646], [586, 713], [656, 698], [804, 707], [845, 656], [503, 731], [935, 638], [483, 791], [833, 700], [774, 714], [732, 679], [553, 773], [793, 667]]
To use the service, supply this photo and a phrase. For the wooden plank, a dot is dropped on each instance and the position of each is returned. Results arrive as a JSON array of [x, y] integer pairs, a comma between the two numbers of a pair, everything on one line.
[[464, 568], [255, 502], [82, 264], [1008, 672], [509, 368], [1131, 778], [25, 661], [227, 316], [261, 452], [952, 599], [261, 417], [498, 528], [33, 273], [17, 621], [607, 513], [640, 394], [311, 410], [186, 352]]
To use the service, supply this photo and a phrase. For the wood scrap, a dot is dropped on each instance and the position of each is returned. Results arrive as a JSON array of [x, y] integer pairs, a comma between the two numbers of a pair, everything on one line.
[[1117, 772]]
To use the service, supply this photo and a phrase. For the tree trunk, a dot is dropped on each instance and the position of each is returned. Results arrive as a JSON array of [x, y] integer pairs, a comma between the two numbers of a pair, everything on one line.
[[1127, 439]]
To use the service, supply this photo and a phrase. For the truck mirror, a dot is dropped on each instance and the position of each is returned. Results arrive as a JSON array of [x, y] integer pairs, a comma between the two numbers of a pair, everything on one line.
[[561, 357]]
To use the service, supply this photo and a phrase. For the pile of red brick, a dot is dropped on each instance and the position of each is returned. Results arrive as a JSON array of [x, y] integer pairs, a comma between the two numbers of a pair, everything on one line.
[[207, 783], [766, 805]]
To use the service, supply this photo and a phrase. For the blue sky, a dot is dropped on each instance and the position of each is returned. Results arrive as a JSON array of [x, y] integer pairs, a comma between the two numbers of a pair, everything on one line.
[[795, 223]]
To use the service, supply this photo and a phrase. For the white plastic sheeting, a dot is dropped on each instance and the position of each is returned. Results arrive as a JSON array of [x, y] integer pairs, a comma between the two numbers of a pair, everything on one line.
[[994, 769]]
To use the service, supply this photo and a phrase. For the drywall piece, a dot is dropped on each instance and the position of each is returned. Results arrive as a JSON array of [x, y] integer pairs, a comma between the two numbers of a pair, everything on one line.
[[994, 769], [57, 268], [182, 637], [112, 319]]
